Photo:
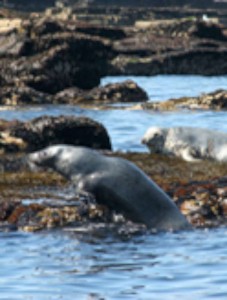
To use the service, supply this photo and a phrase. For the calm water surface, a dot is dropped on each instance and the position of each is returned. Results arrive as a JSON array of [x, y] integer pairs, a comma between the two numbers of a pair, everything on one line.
[[165, 266], [63, 265]]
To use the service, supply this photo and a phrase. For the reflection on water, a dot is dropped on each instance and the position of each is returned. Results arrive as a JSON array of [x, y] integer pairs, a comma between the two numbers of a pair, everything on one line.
[[57, 265], [164, 266]]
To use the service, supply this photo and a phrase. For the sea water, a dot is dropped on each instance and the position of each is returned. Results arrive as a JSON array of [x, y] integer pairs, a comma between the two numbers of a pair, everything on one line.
[[66, 265]]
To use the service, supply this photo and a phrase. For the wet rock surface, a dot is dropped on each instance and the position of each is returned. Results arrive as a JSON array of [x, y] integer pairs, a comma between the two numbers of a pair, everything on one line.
[[45, 54], [126, 91], [216, 100], [17, 136], [172, 47], [43, 200], [57, 57]]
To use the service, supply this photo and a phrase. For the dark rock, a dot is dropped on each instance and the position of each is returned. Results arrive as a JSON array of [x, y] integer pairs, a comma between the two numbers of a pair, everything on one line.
[[112, 33], [127, 91], [194, 61], [71, 95], [209, 30], [22, 95], [44, 131], [171, 47], [50, 52], [212, 101], [25, 5], [61, 66], [6, 209], [48, 57], [198, 189]]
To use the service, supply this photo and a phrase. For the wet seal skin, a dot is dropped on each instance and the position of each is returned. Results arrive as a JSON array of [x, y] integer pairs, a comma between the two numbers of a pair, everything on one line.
[[115, 182]]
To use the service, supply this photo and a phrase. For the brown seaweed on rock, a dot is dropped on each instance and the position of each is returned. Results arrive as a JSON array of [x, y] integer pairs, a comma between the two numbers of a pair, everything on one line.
[[199, 190], [17, 136]]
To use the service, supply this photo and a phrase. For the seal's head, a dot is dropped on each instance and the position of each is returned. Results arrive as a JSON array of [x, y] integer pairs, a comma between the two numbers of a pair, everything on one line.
[[154, 139], [46, 157], [65, 159]]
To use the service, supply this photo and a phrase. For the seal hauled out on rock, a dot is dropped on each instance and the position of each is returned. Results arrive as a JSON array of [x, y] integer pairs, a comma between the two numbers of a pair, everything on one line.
[[115, 182], [189, 143]]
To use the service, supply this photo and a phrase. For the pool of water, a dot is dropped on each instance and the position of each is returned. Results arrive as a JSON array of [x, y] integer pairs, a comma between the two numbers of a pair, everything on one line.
[[65, 265]]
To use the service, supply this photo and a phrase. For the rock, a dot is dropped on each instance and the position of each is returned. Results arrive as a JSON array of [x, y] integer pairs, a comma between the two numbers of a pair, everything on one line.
[[224, 207], [212, 101], [209, 30], [46, 130], [127, 91], [22, 95], [109, 32], [49, 54], [171, 47], [202, 200], [46, 55], [187, 61]]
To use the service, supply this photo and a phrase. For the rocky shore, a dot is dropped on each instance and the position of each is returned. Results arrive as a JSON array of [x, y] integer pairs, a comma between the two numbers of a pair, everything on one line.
[[199, 189], [59, 56], [215, 101], [51, 52]]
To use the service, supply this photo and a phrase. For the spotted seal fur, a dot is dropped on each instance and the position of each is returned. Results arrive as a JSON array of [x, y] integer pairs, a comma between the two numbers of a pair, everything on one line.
[[189, 143]]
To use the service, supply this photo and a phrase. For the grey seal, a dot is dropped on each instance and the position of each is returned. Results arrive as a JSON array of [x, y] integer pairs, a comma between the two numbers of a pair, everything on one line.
[[189, 143], [115, 182]]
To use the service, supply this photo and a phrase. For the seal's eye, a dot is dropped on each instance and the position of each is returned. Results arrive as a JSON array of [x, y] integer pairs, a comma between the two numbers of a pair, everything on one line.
[[44, 154]]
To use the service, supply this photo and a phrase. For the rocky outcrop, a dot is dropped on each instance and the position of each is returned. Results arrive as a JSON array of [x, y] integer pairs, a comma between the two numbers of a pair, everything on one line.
[[213, 101], [172, 47], [20, 94], [210, 30], [155, 3], [126, 91], [47, 56], [17, 136]]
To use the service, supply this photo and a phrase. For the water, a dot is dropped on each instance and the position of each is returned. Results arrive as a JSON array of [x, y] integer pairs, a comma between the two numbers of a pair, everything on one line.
[[164, 87], [65, 265], [125, 127], [165, 266]]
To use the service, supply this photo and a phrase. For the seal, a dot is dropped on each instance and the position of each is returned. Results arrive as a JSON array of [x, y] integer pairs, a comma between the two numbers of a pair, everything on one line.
[[115, 182], [189, 143]]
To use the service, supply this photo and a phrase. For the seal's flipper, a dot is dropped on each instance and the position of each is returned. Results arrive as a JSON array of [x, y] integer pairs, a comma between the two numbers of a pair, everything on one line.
[[188, 155]]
